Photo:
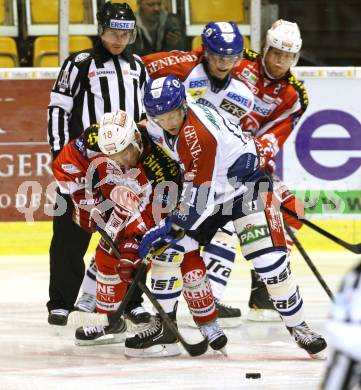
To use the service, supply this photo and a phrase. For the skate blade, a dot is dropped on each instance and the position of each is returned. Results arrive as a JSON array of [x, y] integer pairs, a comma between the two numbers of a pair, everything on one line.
[[233, 322], [263, 315], [221, 352], [318, 356], [107, 339], [160, 350], [82, 318]]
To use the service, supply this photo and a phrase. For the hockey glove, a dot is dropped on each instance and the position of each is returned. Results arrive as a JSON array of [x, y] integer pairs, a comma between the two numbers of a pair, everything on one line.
[[129, 260], [160, 237], [86, 213]]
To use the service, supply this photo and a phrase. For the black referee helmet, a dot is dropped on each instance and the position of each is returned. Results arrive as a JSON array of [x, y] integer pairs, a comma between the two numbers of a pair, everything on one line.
[[117, 16]]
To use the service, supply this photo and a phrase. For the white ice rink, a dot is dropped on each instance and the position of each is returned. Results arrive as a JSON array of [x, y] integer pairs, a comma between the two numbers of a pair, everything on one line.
[[33, 355]]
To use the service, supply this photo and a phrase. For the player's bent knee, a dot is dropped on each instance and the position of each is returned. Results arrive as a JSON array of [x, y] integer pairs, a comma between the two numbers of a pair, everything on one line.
[[260, 233]]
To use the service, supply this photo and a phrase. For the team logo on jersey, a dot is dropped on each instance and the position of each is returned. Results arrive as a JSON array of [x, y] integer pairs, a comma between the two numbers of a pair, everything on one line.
[[124, 197], [232, 108], [251, 77]]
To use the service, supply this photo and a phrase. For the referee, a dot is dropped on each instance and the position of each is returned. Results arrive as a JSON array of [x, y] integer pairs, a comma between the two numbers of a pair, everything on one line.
[[90, 83]]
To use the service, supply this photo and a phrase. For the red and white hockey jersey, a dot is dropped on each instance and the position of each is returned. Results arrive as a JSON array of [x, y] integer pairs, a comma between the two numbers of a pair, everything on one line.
[[232, 101], [91, 179], [279, 104], [216, 159]]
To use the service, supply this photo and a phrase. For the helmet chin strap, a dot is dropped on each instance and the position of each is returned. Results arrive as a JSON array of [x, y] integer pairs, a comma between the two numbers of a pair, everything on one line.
[[136, 144], [265, 69], [294, 63]]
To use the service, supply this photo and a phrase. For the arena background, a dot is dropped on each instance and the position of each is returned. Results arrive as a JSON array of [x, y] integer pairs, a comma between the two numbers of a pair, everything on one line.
[[321, 160]]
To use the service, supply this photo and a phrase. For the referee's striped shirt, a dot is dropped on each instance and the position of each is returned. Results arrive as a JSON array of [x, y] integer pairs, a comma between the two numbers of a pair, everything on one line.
[[89, 84]]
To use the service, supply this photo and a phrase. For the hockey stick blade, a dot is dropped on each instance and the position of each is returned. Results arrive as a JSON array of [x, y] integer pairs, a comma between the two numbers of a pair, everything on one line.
[[94, 319], [82, 318], [354, 248], [193, 349]]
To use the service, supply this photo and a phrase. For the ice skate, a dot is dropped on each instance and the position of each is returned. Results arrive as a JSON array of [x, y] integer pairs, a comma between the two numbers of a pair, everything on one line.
[[137, 318], [98, 335], [154, 341], [228, 316], [58, 317], [260, 304], [215, 335], [312, 342], [86, 303]]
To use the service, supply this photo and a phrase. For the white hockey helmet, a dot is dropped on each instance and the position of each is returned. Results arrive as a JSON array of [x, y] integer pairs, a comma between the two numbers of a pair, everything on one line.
[[285, 36], [116, 131]]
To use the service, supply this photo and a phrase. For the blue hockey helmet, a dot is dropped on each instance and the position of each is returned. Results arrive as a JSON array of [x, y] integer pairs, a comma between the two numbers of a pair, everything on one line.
[[222, 38], [163, 95]]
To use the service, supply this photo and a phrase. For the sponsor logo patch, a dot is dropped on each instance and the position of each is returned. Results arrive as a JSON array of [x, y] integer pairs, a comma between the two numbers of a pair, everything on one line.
[[253, 233], [198, 83], [251, 77], [232, 108], [101, 72], [240, 99], [70, 168], [122, 24]]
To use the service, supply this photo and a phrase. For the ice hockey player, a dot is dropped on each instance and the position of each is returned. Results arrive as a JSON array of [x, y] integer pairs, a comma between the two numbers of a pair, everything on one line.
[[280, 101], [344, 330], [134, 173], [223, 181], [207, 76], [212, 75]]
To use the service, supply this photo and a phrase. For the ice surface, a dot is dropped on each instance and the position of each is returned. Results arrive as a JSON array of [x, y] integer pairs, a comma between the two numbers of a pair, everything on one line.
[[35, 355]]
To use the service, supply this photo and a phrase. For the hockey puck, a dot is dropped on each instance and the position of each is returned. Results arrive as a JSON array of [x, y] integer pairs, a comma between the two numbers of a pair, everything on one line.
[[253, 375]]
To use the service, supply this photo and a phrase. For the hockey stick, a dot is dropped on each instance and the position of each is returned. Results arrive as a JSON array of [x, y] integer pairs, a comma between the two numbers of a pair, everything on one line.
[[193, 349], [354, 248], [94, 319], [308, 261]]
